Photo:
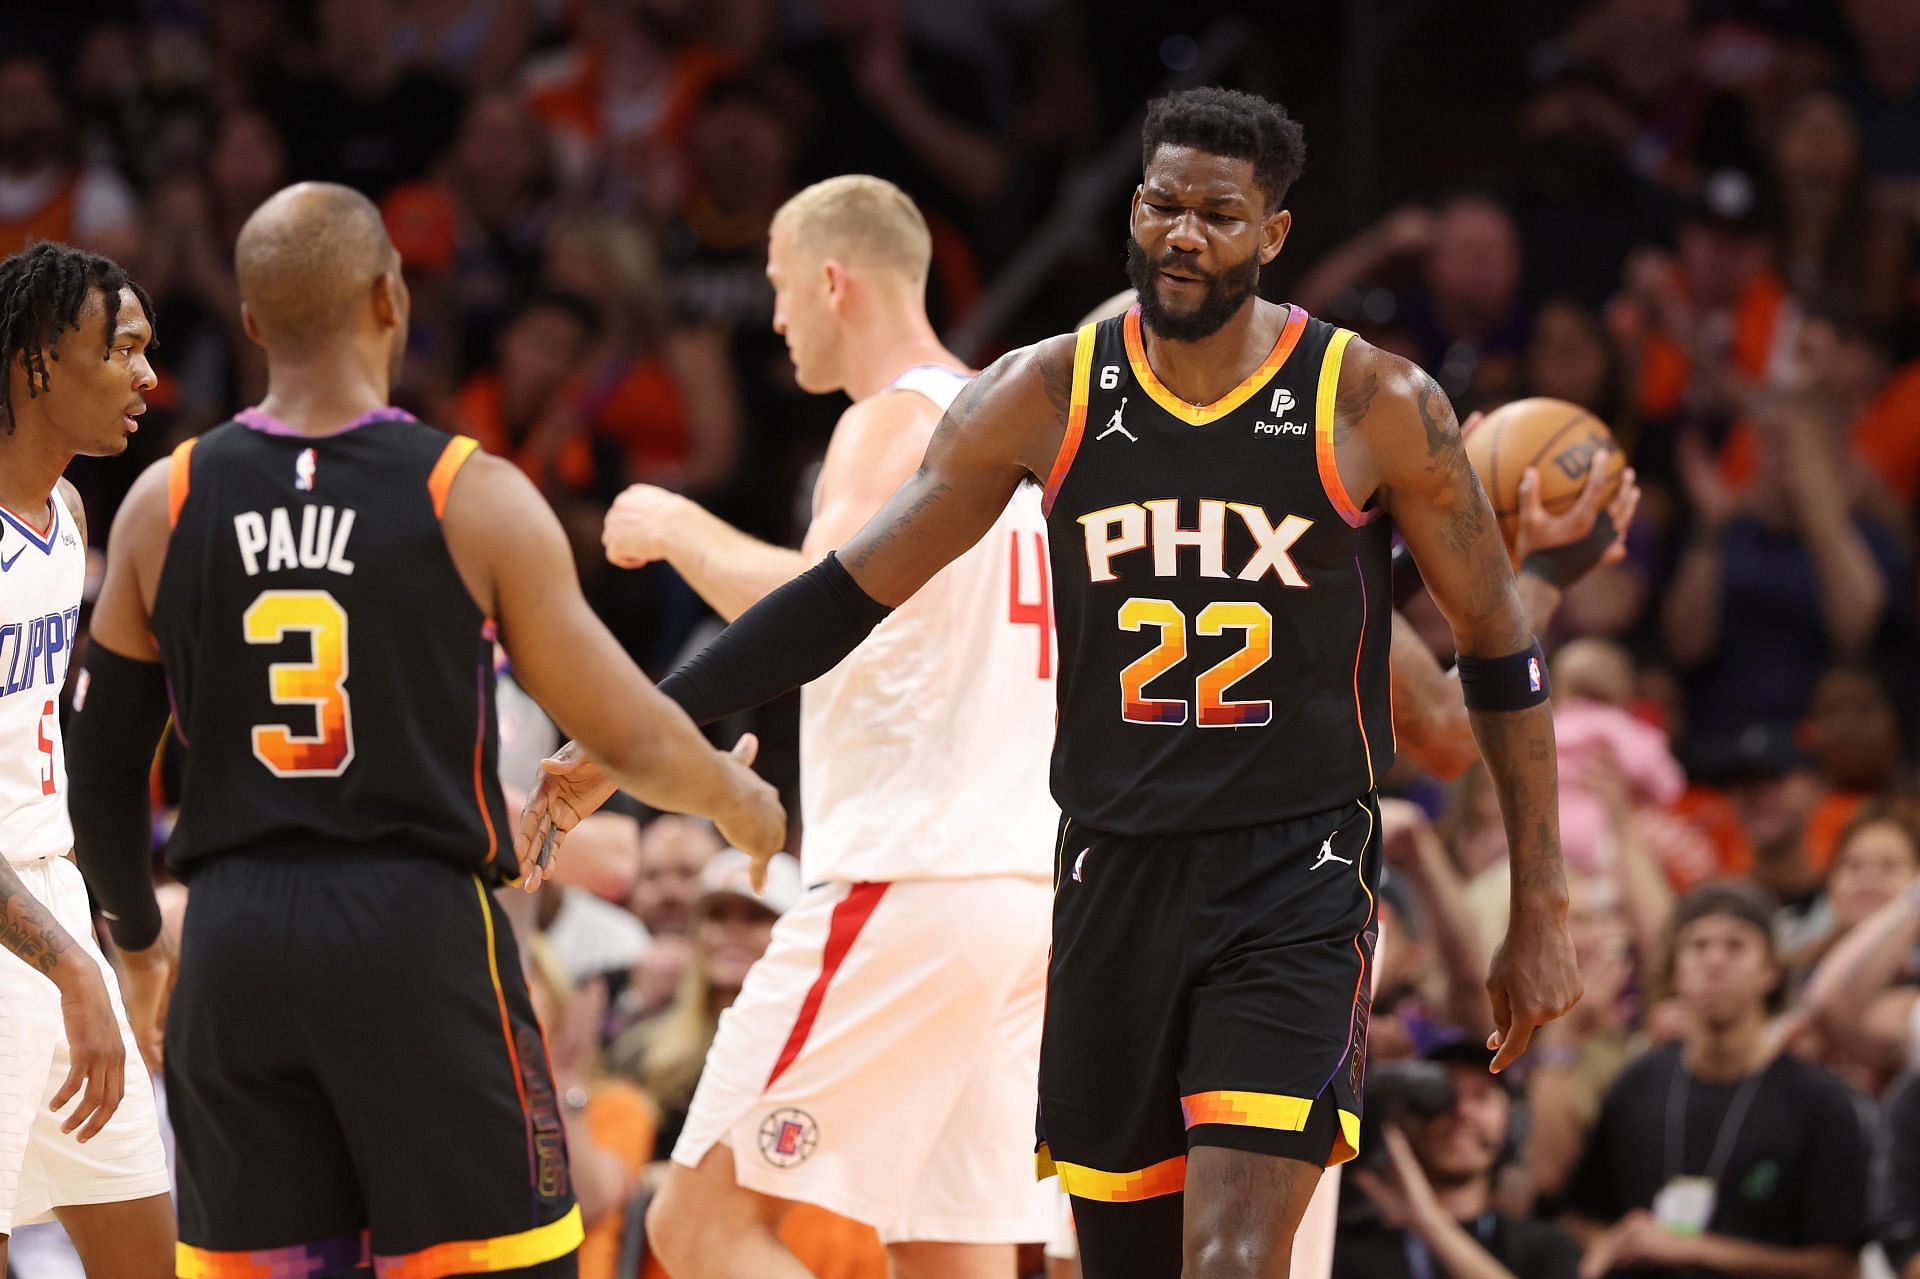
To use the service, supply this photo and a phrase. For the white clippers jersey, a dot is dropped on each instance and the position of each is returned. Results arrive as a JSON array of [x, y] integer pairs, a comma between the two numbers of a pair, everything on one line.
[[41, 577], [924, 755]]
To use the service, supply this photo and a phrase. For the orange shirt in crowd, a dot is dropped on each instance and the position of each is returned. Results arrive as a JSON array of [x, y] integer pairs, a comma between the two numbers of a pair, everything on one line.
[[477, 412], [51, 221], [568, 97], [1666, 369], [1886, 436], [640, 409], [621, 1120]]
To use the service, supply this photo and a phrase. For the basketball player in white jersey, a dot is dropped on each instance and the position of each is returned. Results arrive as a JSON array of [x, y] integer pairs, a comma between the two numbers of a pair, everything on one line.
[[881, 1060], [73, 332]]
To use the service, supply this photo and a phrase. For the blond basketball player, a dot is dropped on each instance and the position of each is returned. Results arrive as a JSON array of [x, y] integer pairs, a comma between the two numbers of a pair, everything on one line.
[[881, 1060], [74, 332]]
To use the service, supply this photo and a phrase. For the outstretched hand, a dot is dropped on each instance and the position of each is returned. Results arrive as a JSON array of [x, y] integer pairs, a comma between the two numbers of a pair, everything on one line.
[[571, 788]]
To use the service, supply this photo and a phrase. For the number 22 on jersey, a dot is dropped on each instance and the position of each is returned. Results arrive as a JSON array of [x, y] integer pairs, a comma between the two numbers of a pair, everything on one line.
[[1214, 710], [320, 682]]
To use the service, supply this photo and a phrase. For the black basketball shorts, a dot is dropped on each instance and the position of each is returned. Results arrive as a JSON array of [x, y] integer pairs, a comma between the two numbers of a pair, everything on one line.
[[356, 1077], [1206, 990]]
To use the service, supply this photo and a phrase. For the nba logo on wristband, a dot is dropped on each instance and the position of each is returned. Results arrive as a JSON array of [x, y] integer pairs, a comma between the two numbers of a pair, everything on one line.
[[1533, 674]]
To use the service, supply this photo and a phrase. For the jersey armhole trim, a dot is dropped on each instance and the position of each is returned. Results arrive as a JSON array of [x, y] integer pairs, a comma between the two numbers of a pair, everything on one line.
[[1076, 417], [1323, 434], [179, 480], [440, 480]]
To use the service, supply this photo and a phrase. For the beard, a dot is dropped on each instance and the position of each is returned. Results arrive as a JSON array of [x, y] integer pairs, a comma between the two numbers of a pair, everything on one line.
[[1225, 293]]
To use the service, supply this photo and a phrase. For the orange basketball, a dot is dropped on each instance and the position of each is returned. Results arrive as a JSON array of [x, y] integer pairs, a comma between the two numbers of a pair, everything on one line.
[[1559, 438]]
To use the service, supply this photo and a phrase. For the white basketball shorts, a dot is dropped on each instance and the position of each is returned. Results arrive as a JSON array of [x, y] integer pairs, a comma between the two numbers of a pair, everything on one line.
[[42, 1168], [881, 1061]]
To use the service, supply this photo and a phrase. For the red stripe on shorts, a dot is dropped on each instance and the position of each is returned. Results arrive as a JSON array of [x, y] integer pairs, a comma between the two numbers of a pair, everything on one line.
[[850, 915]]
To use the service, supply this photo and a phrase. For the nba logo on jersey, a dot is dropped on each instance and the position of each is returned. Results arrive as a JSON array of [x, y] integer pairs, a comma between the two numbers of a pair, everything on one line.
[[304, 468], [1533, 674]]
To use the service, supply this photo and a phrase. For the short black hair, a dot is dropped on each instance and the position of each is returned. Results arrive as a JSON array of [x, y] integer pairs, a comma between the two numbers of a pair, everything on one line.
[[1229, 123], [43, 289], [1736, 899]]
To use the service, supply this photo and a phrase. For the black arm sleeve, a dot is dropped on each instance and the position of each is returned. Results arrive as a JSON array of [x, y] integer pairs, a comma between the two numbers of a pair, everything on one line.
[[119, 711], [796, 634]]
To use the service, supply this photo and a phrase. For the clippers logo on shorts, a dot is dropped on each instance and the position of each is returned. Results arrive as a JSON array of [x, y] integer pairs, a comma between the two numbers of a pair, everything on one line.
[[789, 1137]]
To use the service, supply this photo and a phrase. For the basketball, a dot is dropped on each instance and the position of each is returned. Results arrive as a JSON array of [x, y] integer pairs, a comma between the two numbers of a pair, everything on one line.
[[1558, 437]]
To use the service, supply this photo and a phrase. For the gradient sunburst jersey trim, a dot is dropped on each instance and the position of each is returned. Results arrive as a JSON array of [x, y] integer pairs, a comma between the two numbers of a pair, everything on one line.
[[1168, 1177], [353, 1252], [328, 1257], [1268, 1110]]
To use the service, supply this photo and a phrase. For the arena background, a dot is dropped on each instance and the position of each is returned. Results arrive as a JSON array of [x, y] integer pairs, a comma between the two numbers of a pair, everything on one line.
[[1699, 220]]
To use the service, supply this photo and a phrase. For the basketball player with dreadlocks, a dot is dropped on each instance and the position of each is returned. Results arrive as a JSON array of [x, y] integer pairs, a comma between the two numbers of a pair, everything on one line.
[[74, 332]]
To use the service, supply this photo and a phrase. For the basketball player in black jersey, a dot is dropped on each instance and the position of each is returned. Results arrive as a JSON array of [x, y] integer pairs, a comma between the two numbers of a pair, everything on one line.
[[354, 1069], [1217, 468]]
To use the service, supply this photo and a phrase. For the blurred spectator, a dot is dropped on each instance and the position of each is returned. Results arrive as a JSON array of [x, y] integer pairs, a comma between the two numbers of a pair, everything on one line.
[[1853, 735], [1896, 1176], [891, 103], [1573, 1061], [192, 224], [1719, 1153], [1833, 240], [1568, 357], [472, 237], [1863, 997], [1444, 935], [518, 409], [610, 1124], [1708, 328], [1466, 320], [474, 42], [48, 190], [619, 96], [1434, 1191], [1580, 206], [663, 396], [1885, 92], [1777, 581], [731, 928], [365, 117], [1607, 755], [674, 849]]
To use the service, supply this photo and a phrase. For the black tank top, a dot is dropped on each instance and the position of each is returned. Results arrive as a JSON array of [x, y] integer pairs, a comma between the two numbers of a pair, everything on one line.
[[1223, 608], [332, 678]]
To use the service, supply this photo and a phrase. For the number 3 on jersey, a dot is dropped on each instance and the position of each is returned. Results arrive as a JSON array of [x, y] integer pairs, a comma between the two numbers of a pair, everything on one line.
[[320, 682]]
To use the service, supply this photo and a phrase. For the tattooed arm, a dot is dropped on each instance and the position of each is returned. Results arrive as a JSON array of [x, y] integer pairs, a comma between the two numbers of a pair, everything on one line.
[[95, 1049], [1397, 441], [29, 930], [1004, 426]]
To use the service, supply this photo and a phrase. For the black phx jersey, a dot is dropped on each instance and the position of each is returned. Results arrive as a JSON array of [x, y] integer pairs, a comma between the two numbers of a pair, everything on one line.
[[340, 825], [1222, 604], [332, 675]]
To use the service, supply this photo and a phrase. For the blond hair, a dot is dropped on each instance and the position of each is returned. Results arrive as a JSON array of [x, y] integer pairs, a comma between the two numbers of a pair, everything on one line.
[[862, 221]]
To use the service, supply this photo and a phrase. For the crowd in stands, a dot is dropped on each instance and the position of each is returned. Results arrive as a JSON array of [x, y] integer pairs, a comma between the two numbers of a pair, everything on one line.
[[1700, 220]]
